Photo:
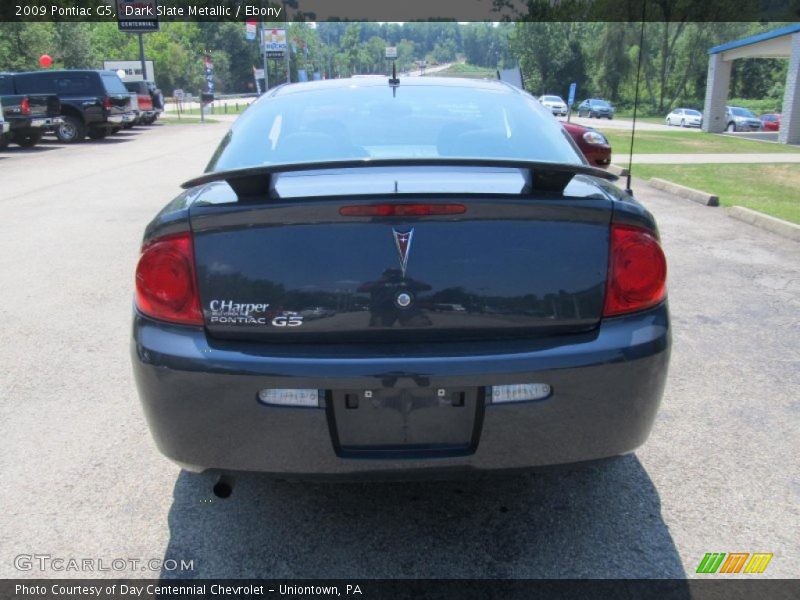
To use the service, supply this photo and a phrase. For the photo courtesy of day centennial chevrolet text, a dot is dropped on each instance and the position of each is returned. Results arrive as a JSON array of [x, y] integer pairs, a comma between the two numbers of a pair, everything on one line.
[[404, 276]]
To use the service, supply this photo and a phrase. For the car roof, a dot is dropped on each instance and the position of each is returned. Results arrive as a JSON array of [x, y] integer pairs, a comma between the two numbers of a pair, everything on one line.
[[68, 71], [363, 82]]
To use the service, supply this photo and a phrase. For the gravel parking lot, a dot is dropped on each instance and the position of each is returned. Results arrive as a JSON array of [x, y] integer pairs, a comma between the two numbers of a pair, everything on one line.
[[83, 479]]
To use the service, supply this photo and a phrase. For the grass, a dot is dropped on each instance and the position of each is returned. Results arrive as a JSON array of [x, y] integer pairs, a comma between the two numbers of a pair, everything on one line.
[[773, 189], [639, 118], [465, 70], [688, 142]]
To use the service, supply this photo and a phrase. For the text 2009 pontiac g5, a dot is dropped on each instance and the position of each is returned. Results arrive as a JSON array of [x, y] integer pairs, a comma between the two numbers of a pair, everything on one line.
[[411, 276]]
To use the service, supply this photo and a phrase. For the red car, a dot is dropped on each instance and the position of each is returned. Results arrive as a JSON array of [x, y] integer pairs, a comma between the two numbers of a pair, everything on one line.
[[771, 121], [593, 144]]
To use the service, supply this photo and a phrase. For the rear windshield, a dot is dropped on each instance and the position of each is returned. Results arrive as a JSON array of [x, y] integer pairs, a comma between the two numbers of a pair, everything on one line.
[[113, 83], [61, 83], [742, 112], [6, 85], [552, 99], [602, 103], [419, 121]]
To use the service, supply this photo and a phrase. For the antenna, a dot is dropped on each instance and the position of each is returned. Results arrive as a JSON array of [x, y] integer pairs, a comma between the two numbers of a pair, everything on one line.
[[636, 96]]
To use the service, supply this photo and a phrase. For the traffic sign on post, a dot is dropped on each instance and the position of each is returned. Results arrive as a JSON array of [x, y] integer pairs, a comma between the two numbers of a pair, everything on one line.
[[570, 100]]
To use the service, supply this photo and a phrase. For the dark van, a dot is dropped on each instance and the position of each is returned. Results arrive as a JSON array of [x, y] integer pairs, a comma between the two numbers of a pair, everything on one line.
[[93, 103]]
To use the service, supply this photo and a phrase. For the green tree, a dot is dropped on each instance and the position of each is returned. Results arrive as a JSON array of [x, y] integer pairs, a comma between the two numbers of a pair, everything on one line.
[[21, 45]]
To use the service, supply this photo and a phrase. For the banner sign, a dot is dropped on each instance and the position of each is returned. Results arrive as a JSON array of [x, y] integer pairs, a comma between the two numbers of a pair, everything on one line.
[[250, 30], [209, 67]]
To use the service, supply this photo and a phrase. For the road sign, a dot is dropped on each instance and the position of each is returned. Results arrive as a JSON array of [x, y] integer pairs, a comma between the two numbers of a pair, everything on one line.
[[137, 16], [178, 94], [391, 52], [132, 68], [572, 87], [274, 40]]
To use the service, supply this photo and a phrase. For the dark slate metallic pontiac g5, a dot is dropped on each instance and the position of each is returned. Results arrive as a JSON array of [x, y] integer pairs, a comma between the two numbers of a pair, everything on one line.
[[420, 276]]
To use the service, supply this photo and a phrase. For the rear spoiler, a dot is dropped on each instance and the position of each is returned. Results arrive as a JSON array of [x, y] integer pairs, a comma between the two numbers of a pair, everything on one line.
[[540, 177]]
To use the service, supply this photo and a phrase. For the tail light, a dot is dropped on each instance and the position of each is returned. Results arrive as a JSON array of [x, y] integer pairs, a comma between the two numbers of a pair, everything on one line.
[[166, 286], [637, 271], [107, 103], [25, 106]]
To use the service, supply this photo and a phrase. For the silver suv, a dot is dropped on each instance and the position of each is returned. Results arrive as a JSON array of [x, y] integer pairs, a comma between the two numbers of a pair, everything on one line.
[[741, 119]]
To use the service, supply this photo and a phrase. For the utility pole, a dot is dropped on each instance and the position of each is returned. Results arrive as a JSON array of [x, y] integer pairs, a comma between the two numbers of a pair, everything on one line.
[[264, 51], [288, 47], [141, 57]]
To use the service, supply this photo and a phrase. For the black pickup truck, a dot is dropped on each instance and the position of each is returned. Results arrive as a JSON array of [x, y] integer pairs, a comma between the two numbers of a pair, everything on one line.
[[93, 103], [29, 116]]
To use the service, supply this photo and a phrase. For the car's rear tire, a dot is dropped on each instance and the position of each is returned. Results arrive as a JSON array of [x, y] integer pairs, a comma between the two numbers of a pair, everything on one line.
[[28, 139], [72, 130], [98, 133], [731, 127]]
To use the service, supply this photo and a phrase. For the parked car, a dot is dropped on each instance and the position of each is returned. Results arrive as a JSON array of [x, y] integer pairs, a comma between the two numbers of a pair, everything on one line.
[[5, 127], [770, 121], [741, 119], [93, 103], [594, 108], [685, 117], [147, 112], [433, 196], [134, 108], [593, 144], [30, 115], [157, 96], [555, 104]]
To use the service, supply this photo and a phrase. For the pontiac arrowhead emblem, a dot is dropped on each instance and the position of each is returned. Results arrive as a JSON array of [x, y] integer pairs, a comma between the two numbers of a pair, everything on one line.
[[403, 243]]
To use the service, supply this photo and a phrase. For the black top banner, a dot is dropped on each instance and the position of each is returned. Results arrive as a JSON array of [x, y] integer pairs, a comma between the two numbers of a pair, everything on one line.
[[401, 11]]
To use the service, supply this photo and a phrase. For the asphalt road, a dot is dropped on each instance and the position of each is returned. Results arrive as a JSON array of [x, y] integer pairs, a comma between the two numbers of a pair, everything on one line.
[[82, 478], [617, 123]]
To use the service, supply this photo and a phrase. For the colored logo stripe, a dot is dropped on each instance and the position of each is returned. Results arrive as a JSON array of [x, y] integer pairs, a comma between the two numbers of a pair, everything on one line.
[[758, 563], [713, 562], [734, 562]]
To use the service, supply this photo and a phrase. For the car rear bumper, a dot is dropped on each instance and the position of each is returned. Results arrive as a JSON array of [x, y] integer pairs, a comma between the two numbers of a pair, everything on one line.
[[598, 155], [25, 124], [46, 122], [200, 399]]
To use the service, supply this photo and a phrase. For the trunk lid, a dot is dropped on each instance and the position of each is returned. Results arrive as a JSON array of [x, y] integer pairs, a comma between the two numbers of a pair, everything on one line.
[[296, 269]]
